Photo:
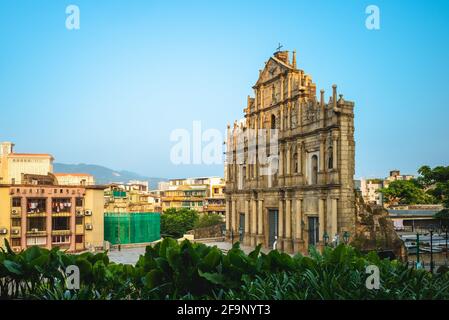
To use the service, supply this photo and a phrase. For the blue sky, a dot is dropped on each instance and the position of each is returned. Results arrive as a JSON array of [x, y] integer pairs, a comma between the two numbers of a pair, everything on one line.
[[111, 92]]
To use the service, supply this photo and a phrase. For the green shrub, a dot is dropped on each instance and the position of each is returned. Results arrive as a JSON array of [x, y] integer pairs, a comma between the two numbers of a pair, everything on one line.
[[172, 270], [176, 222], [208, 220]]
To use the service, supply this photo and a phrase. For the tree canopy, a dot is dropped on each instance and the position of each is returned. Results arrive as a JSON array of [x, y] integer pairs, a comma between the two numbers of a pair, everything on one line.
[[431, 186], [176, 222], [406, 192]]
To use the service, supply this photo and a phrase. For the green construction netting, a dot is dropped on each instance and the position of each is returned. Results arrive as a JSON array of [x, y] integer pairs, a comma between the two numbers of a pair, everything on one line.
[[123, 228]]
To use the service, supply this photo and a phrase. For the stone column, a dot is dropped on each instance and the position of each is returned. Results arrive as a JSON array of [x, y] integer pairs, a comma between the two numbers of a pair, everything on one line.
[[233, 220], [281, 160], [322, 154], [289, 85], [48, 222], [299, 156], [281, 224], [334, 151], [228, 218], [298, 220], [303, 163], [260, 238], [281, 127], [289, 113], [246, 240], [253, 222], [282, 87], [334, 225], [288, 159], [288, 227], [321, 220], [322, 110]]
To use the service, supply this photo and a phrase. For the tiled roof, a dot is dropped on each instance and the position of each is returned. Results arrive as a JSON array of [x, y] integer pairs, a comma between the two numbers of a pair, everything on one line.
[[30, 155]]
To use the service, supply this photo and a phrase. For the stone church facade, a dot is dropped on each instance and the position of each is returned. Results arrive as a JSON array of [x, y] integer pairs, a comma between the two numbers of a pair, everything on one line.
[[309, 195]]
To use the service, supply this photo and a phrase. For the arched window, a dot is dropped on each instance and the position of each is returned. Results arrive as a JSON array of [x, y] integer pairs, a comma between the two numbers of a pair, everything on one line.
[[314, 169], [330, 153], [273, 121], [295, 162]]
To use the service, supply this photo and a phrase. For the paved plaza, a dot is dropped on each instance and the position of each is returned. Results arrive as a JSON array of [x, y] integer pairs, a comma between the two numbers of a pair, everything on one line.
[[131, 255]]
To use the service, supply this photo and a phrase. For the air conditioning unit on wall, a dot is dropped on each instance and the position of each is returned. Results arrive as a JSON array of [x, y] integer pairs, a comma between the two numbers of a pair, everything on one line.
[[88, 212], [89, 226], [15, 231], [3, 231]]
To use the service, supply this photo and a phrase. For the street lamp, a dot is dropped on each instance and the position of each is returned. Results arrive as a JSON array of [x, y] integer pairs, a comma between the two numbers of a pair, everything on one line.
[[446, 229], [346, 237], [326, 238], [431, 249]]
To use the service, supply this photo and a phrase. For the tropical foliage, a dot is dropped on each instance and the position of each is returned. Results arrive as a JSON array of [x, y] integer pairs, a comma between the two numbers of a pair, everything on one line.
[[406, 192], [172, 270], [176, 222], [208, 220]]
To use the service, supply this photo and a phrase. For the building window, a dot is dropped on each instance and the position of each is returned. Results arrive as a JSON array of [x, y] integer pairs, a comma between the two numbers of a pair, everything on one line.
[[60, 223], [38, 223], [79, 220], [15, 242], [60, 239], [273, 121], [314, 169], [295, 162], [61, 205], [79, 202], [79, 238], [17, 202], [330, 164], [36, 205], [15, 222]]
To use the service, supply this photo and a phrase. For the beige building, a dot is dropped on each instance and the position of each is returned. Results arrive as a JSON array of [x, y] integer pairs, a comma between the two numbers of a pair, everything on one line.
[[75, 179], [310, 192], [370, 191], [203, 194], [38, 209], [49, 215], [14, 165], [131, 197], [396, 175], [215, 202]]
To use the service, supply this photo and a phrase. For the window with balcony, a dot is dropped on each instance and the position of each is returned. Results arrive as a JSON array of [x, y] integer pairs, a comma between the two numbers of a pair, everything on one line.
[[17, 202], [63, 239], [60, 223], [61, 205], [15, 242], [36, 205], [36, 224]]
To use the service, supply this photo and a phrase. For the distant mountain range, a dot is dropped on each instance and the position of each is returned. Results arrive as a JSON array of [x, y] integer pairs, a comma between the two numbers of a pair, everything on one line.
[[105, 175]]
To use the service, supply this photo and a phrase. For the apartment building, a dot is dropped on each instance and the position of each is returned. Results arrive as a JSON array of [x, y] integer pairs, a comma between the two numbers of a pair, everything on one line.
[[203, 194], [40, 208]]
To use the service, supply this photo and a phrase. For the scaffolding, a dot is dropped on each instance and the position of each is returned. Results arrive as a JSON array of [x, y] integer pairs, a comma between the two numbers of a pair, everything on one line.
[[126, 228]]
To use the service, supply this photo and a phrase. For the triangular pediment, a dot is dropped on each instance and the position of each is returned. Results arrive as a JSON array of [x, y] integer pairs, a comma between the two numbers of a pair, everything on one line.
[[272, 69]]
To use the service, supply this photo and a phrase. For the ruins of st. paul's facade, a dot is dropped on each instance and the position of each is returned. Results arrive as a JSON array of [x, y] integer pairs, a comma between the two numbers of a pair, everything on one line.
[[290, 163]]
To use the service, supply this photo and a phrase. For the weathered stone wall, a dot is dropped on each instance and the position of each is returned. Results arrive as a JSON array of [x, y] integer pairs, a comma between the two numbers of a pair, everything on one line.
[[375, 230], [207, 232]]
